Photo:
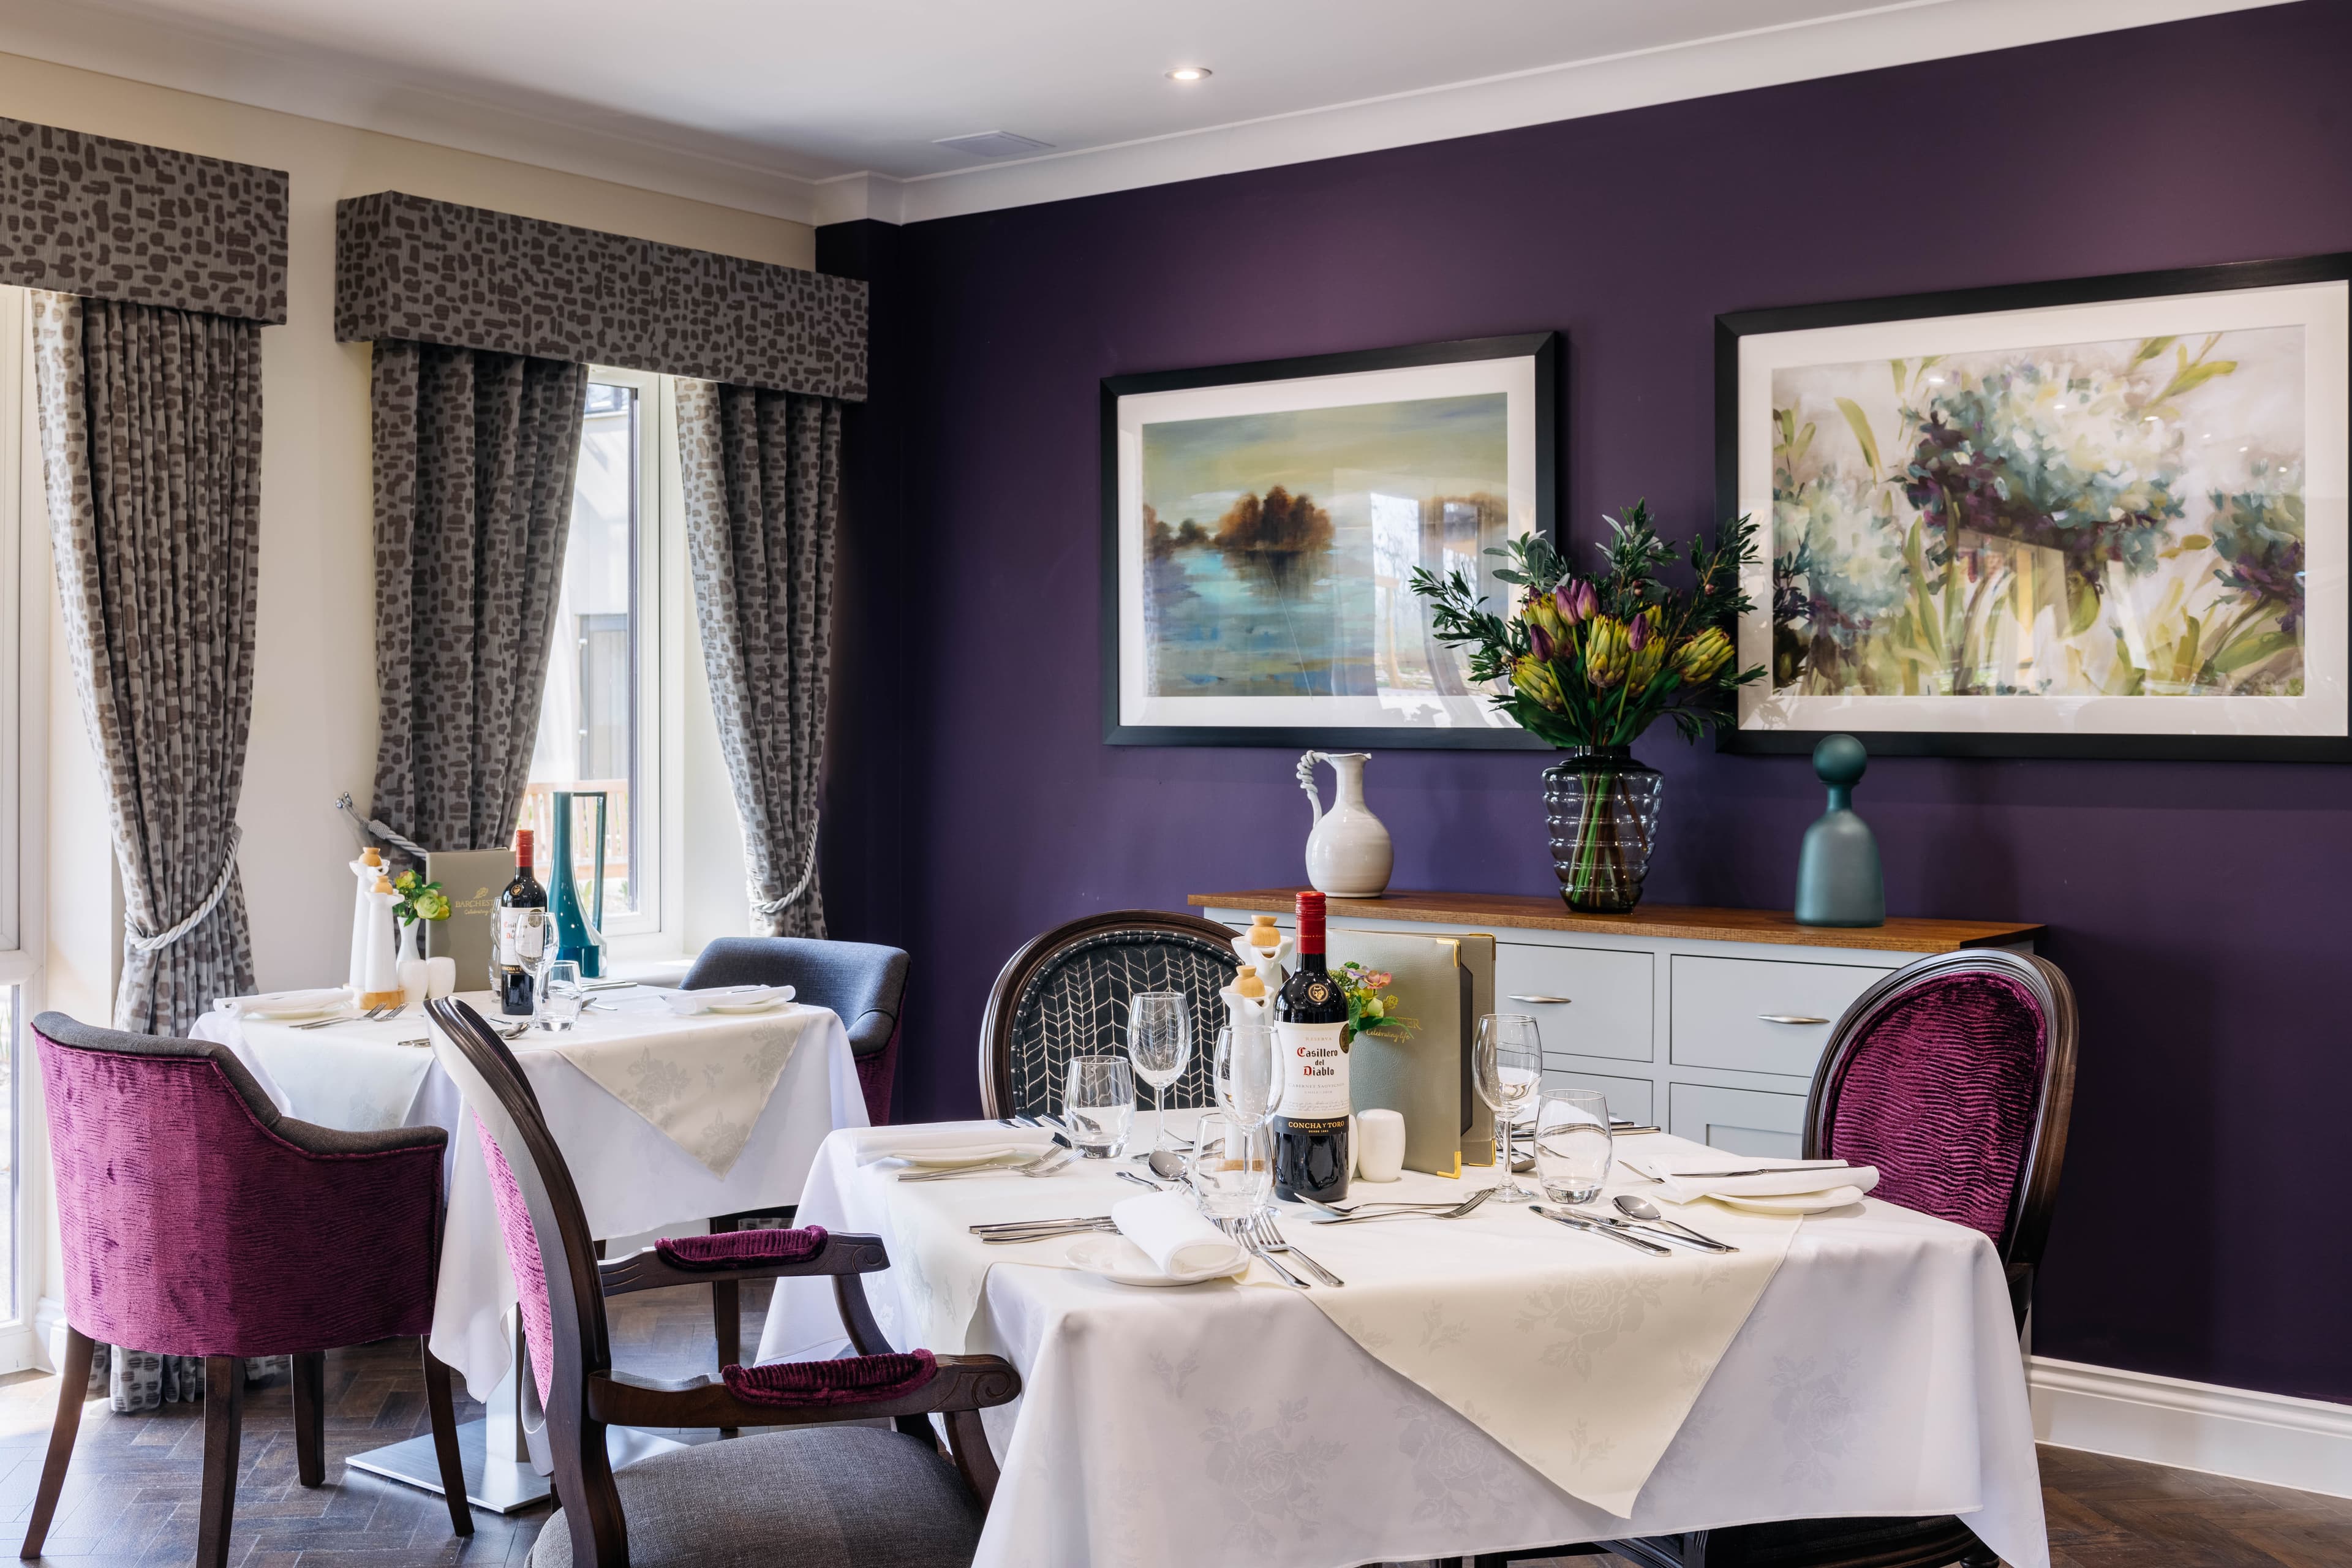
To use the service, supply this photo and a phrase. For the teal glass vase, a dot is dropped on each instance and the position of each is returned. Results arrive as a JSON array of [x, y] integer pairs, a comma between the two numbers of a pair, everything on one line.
[[1602, 807]]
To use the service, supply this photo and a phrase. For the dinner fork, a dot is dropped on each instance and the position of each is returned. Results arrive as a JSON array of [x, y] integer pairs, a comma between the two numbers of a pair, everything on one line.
[[375, 1014], [1044, 1164], [1269, 1238], [1456, 1212], [1239, 1230]]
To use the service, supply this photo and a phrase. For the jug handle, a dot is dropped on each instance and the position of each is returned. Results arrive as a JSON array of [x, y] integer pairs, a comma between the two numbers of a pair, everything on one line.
[[1306, 782]]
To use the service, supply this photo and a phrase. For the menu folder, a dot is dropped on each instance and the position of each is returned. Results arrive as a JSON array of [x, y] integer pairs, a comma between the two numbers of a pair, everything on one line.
[[1443, 983]]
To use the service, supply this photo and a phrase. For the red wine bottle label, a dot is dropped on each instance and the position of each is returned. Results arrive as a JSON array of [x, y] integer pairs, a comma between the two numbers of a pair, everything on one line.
[[1315, 1071], [521, 941]]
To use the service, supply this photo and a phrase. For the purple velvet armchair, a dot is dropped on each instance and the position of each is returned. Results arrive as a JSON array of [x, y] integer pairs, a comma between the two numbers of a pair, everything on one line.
[[198, 1221]]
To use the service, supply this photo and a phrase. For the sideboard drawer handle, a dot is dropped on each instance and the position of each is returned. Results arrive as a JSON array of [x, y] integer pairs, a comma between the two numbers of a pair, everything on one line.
[[1790, 1018], [1548, 999]]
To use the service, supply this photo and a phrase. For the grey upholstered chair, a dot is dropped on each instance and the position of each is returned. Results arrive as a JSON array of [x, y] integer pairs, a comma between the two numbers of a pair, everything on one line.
[[863, 983], [1064, 994]]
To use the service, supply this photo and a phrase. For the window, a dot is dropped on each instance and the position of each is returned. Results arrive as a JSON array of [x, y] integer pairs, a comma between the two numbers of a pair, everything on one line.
[[601, 721], [24, 634]]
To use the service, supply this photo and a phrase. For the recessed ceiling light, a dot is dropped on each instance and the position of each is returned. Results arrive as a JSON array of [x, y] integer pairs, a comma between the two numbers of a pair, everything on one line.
[[1191, 73]]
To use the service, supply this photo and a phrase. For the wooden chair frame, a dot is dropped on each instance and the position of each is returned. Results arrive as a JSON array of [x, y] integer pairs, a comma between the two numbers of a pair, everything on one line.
[[588, 1394], [1014, 980]]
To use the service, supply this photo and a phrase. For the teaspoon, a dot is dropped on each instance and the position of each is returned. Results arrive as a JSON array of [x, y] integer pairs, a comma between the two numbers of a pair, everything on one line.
[[1644, 1210]]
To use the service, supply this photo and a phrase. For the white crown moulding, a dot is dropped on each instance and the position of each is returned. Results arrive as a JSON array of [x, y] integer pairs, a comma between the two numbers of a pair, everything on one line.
[[348, 94]]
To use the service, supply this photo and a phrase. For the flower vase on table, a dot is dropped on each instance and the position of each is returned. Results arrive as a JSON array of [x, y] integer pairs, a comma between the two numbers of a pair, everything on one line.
[[1588, 663]]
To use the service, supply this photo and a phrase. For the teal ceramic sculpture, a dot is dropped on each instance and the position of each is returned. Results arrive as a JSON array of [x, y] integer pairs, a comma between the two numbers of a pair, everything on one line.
[[1838, 878]]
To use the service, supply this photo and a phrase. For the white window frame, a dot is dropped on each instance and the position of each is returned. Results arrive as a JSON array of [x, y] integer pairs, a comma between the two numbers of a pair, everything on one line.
[[656, 928]]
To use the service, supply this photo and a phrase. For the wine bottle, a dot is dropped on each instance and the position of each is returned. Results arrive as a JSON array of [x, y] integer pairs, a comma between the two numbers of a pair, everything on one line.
[[520, 940], [1310, 1027]]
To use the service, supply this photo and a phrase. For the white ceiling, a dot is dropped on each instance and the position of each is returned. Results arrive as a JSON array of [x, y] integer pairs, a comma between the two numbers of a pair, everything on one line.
[[782, 105]]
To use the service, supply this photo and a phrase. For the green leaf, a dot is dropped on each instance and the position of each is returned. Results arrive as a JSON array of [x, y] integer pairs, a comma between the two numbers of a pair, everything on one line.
[[2196, 541], [1901, 369], [2251, 650], [2081, 605], [2151, 348], [1861, 423]]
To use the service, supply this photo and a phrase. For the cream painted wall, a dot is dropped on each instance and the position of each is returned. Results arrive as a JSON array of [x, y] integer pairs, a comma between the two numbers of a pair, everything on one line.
[[314, 691]]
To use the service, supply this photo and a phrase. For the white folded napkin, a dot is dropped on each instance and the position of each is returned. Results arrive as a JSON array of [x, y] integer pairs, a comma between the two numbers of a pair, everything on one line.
[[1173, 1235], [686, 1003], [271, 1001], [1691, 1176], [960, 1144]]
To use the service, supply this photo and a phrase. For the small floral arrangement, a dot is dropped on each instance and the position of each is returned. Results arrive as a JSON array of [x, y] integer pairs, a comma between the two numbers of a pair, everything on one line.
[[1369, 1011], [419, 900], [1593, 661]]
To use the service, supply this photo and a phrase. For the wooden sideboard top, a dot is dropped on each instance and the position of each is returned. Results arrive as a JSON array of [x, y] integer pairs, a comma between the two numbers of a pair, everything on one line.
[[1899, 934]]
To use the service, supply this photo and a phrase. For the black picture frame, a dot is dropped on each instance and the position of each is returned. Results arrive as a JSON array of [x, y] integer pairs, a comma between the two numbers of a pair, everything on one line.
[[1732, 327], [1548, 351]]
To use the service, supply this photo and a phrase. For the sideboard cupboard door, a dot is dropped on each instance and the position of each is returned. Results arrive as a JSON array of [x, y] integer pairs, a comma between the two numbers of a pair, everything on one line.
[[1588, 1000], [1759, 1015], [1737, 1120], [1629, 1098]]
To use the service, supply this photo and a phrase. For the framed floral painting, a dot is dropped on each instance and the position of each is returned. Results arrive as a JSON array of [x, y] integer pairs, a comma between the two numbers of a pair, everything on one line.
[[1261, 523], [2104, 518]]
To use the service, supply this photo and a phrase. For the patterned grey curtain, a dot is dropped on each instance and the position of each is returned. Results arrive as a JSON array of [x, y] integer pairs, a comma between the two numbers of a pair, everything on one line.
[[762, 473], [151, 442], [475, 454], [150, 438]]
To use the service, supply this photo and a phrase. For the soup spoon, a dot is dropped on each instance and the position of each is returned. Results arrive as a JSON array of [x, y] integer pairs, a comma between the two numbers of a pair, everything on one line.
[[1644, 1210]]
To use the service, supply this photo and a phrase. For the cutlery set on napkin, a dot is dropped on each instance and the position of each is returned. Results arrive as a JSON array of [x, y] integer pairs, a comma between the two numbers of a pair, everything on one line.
[[1767, 1187], [1157, 1239]]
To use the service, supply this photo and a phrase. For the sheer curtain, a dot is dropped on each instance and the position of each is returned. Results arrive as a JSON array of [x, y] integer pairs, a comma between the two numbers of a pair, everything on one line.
[[762, 473]]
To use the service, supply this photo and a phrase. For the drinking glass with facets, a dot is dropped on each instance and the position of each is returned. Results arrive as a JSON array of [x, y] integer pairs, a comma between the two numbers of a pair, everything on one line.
[[1508, 1065], [1098, 1104], [1572, 1145], [560, 996], [1160, 1045], [1233, 1166]]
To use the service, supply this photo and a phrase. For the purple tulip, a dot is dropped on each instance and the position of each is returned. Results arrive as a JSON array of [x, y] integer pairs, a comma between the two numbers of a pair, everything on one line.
[[1540, 641], [1637, 634], [1575, 601]]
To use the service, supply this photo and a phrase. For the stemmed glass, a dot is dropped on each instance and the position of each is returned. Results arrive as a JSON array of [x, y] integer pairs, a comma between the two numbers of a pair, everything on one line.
[[1508, 1063], [1246, 1077], [1159, 1044]]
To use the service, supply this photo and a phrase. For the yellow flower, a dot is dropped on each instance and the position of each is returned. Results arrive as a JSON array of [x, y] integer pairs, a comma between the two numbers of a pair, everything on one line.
[[1645, 645], [1605, 653], [1536, 682], [1539, 611], [1702, 659]]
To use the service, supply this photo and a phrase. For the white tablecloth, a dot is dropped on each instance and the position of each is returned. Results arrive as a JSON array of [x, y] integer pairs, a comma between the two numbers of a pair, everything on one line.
[[632, 1178], [1878, 1375]]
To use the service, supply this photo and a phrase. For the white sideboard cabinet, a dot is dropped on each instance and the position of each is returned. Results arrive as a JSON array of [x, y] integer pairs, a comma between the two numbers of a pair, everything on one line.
[[1708, 1022]]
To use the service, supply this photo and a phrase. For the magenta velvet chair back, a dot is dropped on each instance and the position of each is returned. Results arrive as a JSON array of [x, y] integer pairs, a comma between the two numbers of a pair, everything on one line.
[[196, 1220], [1955, 1077]]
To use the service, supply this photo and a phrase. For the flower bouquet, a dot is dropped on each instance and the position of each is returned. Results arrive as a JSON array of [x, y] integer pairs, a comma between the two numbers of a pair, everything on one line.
[[1369, 1011], [1588, 663]]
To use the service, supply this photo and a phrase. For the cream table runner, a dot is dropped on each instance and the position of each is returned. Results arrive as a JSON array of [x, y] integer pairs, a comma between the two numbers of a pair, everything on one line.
[[1580, 1355]]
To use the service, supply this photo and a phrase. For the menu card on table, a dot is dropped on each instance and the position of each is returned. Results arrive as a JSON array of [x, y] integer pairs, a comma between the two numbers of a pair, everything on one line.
[[1443, 984]]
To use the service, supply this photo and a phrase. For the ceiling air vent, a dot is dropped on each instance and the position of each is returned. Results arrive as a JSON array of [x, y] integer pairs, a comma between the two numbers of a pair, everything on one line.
[[995, 144]]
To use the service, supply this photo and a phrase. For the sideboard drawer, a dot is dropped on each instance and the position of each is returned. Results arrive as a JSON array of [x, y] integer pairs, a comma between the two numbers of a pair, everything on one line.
[[1628, 1097], [1588, 1000], [1737, 1120], [1753, 1015]]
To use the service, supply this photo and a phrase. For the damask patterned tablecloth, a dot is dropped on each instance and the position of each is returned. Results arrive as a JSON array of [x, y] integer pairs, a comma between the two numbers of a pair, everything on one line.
[[1878, 1373]]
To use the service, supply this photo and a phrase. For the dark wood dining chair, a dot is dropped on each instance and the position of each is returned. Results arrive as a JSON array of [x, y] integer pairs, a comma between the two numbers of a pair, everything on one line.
[[1955, 1077], [823, 1492], [1064, 994], [197, 1220]]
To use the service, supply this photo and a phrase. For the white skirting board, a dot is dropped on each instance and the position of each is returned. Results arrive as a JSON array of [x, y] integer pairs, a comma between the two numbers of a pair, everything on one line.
[[2274, 1438]]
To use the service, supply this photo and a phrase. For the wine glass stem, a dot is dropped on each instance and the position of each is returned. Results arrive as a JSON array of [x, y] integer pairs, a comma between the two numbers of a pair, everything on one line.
[[1158, 1114]]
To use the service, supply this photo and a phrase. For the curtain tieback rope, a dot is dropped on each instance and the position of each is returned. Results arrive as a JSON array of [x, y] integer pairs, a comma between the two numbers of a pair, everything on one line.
[[138, 940], [771, 908], [408, 846]]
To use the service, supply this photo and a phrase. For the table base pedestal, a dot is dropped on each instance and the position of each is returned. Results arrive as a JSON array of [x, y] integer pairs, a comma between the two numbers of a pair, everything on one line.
[[501, 1486]]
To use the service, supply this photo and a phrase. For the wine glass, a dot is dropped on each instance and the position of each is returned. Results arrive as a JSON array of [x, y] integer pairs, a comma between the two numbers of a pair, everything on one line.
[[1508, 1063], [1247, 1073], [1573, 1145], [1098, 1104], [1159, 1044]]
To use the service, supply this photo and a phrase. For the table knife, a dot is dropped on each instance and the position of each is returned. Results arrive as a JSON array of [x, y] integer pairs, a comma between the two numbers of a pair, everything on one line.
[[1578, 1222]]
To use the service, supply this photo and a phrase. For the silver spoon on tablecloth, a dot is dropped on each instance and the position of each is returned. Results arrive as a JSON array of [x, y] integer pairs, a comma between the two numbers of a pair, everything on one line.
[[1643, 1209]]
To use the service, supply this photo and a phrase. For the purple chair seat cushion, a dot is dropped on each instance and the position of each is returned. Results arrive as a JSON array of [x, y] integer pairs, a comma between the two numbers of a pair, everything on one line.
[[851, 1380], [1940, 1094], [731, 1248]]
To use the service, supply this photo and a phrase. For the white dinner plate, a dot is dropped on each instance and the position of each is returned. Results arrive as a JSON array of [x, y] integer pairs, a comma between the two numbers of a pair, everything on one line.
[[1118, 1259], [1794, 1203]]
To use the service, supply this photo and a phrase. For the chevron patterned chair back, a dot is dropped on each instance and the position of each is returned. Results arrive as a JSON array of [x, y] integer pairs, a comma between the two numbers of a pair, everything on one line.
[[1064, 994]]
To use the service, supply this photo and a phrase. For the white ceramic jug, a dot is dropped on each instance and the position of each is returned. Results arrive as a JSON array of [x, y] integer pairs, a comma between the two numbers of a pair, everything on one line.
[[1348, 853]]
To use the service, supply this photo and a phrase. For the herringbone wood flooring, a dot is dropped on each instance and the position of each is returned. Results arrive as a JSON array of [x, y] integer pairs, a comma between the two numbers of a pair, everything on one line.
[[130, 1497]]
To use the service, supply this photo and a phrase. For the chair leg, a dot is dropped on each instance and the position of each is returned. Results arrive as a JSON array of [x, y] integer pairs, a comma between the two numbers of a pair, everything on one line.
[[1980, 1557], [727, 1313], [73, 1388], [224, 1415], [444, 1412], [310, 1418]]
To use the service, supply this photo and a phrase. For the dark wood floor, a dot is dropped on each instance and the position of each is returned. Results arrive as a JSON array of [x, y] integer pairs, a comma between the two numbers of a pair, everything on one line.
[[130, 1497]]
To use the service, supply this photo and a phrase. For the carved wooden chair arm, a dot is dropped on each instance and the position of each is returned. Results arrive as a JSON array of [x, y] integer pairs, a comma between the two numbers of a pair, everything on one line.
[[646, 1270]]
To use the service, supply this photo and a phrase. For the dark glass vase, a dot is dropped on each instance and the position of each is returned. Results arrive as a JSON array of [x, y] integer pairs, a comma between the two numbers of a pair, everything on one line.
[[1602, 808]]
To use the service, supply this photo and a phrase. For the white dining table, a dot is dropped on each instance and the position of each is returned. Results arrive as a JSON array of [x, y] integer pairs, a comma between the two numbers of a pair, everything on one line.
[[1878, 1374], [631, 1177]]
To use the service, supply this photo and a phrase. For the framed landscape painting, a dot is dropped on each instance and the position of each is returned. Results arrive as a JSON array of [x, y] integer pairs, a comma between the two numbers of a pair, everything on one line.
[[1262, 523], [2097, 519]]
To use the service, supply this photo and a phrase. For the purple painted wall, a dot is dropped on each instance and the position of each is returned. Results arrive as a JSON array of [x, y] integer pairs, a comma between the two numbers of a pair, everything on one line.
[[2200, 909]]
